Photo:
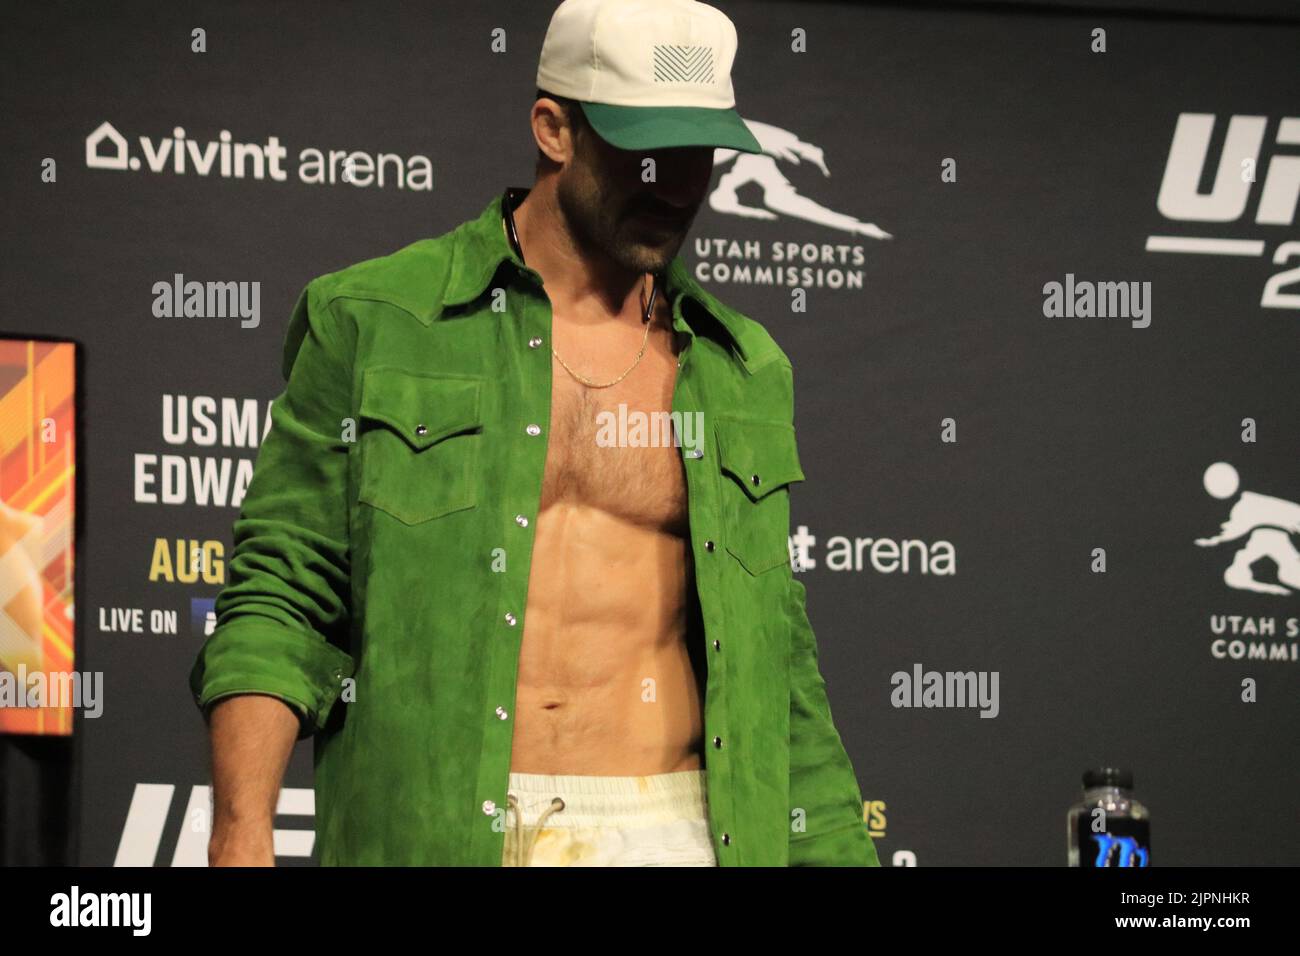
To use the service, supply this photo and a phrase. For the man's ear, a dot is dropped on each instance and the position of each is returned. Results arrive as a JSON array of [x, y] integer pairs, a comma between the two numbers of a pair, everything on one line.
[[548, 121]]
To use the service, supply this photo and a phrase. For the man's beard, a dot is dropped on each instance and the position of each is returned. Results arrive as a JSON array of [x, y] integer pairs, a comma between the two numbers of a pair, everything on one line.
[[600, 226]]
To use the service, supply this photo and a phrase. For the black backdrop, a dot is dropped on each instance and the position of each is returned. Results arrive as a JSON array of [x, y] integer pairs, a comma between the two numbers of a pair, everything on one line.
[[1072, 433]]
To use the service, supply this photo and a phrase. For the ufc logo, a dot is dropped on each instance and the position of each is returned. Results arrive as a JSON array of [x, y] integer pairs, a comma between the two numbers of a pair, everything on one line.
[[146, 822], [1235, 175]]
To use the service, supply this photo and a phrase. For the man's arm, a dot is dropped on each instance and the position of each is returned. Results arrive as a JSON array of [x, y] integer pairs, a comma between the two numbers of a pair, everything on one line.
[[822, 782], [252, 738], [275, 663]]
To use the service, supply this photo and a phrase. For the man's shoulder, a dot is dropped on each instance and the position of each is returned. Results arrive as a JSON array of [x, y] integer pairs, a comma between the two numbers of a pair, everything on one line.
[[760, 347], [411, 278], [756, 342]]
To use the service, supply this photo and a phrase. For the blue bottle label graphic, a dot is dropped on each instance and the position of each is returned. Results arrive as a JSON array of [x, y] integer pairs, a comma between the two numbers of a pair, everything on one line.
[[1126, 842]]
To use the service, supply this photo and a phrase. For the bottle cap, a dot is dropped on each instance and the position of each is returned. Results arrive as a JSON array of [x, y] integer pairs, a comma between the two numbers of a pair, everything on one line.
[[1108, 777]]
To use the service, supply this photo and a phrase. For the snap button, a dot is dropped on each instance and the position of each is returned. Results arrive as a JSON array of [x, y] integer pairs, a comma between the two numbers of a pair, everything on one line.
[[535, 342], [510, 619], [755, 479], [717, 742], [534, 429], [708, 545], [421, 430], [489, 807]]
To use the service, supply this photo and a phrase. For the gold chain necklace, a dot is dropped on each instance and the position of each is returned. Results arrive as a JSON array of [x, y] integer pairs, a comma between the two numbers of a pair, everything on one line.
[[508, 204], [644, 339]]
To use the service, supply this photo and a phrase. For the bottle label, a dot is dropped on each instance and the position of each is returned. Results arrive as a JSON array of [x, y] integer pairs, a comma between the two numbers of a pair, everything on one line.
[[1126, 842]]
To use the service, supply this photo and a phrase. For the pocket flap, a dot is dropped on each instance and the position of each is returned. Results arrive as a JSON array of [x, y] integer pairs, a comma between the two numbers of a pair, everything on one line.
[[761, 455], [423, 409]]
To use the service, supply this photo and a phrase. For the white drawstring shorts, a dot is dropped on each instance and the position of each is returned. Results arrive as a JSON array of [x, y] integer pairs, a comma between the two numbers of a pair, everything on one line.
[[657, 820]]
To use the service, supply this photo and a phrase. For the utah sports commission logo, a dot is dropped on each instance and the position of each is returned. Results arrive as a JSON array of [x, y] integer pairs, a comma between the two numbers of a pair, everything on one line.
[[833, 264], [1256, 548]]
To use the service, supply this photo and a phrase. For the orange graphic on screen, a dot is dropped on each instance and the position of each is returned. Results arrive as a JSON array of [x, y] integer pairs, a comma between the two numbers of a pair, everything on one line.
[[37, 499]]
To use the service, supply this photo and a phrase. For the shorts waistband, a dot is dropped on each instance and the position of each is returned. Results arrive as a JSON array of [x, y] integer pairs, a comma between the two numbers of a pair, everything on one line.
[[610, 801]]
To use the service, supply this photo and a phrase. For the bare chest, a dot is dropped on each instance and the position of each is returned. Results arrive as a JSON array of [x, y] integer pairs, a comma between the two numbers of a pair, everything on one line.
[[615, 448]]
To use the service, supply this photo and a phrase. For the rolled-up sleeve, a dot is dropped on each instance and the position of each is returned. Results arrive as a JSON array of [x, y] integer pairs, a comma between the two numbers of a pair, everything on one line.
[[822, 781], [282, 618]]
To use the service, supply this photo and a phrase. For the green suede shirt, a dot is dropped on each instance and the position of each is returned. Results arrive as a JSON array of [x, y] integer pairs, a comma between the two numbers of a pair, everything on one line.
[[381, 561]]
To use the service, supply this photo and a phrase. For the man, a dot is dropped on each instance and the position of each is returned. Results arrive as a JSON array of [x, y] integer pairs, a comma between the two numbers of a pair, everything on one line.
[[521, 633]]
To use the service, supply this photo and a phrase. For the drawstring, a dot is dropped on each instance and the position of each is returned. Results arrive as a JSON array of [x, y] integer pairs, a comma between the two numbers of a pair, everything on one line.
[[512, 800]]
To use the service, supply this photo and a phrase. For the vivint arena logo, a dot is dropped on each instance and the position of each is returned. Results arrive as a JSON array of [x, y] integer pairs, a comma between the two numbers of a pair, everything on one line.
[[1236, 181], [1257, 542], [829, 264], [151, 805], [180, 155], [879, 555]]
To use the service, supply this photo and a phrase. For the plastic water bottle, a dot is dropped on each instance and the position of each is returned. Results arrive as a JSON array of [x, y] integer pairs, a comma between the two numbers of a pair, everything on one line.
[[1109, 827]]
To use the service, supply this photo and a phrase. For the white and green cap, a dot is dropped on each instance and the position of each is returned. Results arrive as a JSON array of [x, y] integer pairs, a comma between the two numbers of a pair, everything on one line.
[[649, 74]]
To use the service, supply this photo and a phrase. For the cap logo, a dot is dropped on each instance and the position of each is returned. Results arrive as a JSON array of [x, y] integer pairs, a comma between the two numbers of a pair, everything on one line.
[[683, 64]]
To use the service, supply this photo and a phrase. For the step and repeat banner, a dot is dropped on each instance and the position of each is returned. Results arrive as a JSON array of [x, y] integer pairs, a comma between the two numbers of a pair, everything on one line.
[[1038, 272]]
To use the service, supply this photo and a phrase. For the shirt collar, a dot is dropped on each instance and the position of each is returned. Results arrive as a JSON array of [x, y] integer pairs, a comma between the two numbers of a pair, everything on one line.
[[481, 246]]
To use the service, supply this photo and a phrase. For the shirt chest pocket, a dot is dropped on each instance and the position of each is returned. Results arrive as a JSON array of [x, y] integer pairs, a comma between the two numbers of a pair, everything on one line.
[[759, 461], [420, 443]]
